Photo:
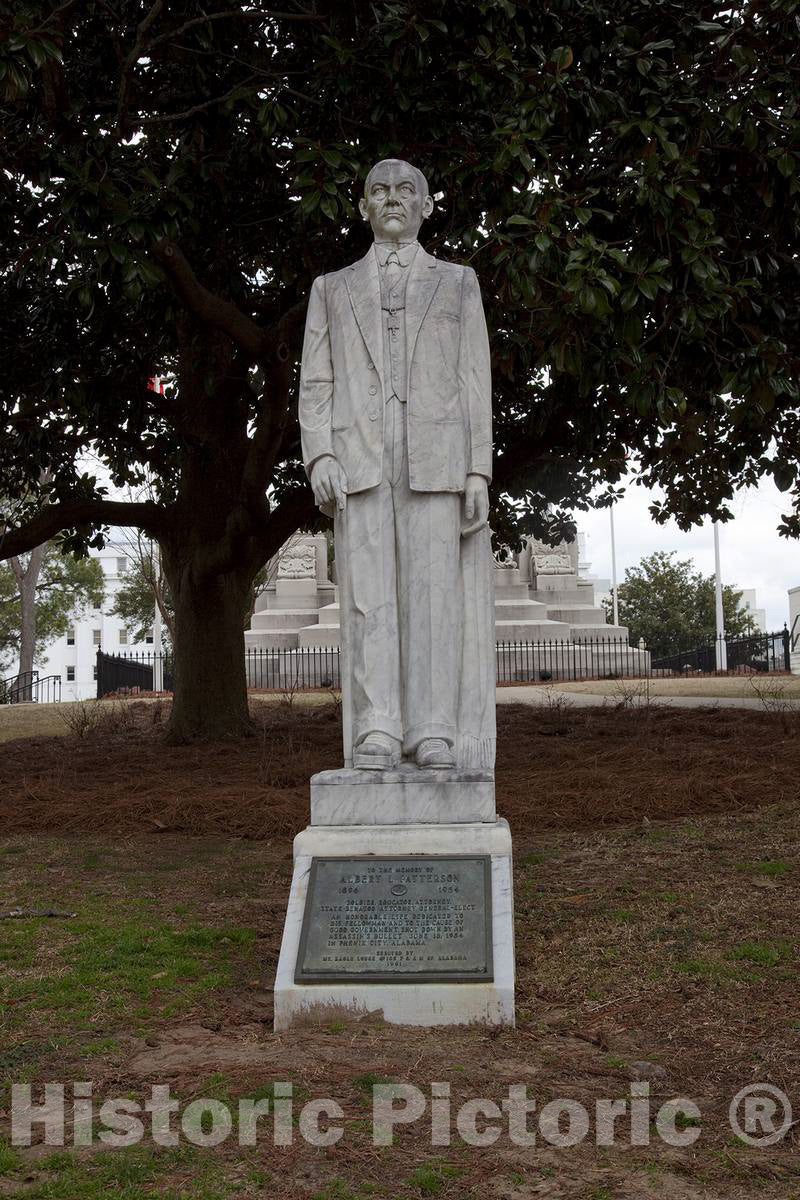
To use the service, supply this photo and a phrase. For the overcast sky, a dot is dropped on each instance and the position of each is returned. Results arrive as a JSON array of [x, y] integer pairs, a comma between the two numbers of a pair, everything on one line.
[[751, 552]]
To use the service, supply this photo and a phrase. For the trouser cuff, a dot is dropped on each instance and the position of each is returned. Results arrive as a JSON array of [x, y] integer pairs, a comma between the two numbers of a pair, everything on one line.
[[377, 724], [418, 733]]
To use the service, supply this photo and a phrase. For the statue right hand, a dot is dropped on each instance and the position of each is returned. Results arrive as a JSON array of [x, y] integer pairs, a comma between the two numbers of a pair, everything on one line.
[[328, 482]]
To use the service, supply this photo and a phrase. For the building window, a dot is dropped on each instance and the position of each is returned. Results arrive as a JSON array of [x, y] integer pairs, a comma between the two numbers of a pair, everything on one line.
[[70, 637], [96, 637], [122, 566], [149, 638], [70, 674], [94, 672], [123, 637]]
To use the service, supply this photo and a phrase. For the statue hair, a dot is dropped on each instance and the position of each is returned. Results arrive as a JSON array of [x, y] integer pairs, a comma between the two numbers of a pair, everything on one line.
[[420, 176]]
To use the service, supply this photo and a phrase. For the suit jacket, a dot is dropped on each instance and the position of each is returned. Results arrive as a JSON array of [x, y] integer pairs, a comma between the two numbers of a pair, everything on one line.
[[342, 404]]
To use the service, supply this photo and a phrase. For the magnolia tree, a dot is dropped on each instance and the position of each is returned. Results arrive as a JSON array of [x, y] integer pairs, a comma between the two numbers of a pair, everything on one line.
[[146, 587], [621, 175]]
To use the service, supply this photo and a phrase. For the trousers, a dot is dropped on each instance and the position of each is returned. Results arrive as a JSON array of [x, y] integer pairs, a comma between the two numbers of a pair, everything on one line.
[[401, 603]]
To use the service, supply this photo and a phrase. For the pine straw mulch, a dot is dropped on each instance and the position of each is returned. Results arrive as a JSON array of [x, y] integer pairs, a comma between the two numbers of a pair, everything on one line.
[[557, 769], [629, 948], [656, 870]]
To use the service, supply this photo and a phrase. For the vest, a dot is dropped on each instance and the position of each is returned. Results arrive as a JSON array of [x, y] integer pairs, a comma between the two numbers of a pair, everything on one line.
[[393, 324]]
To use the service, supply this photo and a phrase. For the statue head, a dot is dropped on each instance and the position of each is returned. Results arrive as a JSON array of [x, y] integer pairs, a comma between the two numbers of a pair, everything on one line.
[[396, 200]]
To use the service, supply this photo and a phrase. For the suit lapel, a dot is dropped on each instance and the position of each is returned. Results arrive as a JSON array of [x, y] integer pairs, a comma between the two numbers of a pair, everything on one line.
[[364, 290], [420, 290]]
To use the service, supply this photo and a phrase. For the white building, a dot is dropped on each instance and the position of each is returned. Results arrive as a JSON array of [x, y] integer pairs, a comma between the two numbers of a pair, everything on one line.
[[749, 604], [74, 656]]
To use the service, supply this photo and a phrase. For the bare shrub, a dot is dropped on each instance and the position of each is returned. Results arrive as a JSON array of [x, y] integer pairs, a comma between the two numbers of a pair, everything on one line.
[[116, 717], [86, 717], [633, 693], [81, 718], [556, 702], [771, 692]]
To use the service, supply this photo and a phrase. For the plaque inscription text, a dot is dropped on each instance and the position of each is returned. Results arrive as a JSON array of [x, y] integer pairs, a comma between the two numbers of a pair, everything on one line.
[[417, 919]]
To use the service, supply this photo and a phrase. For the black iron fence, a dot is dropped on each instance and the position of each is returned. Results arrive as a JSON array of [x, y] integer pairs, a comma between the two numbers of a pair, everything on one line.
[[314, 667], [290, 670], [141, 672], [589, 658], [30, 688], [746, 653]]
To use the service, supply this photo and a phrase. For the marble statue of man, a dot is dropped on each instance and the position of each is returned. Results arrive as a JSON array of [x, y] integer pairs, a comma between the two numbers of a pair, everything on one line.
[[395, 415]]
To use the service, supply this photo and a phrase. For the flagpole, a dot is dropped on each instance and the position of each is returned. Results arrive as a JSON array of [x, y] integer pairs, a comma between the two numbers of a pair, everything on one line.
[[721, 648], [614, 569], [158, 660]]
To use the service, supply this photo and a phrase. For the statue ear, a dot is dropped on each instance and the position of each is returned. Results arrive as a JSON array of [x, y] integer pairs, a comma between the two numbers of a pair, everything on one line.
[[362, 208], [427, 206]]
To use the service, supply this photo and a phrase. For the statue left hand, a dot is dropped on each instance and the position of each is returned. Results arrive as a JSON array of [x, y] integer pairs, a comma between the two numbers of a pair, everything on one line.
[[476, 505]]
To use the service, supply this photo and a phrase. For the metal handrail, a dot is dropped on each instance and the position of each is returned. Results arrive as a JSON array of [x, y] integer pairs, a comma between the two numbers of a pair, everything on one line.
[[28, 688]]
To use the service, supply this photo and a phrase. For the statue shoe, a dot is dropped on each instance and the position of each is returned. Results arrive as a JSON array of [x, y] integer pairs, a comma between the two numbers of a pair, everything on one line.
[[434, 752], [377, 752]]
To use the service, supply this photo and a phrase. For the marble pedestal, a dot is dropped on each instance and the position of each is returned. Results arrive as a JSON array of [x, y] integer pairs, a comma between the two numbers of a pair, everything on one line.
[[424, 817]]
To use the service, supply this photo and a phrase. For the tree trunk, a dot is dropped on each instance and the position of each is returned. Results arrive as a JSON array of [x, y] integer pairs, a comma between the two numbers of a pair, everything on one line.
[[210, 685], [27, 581]]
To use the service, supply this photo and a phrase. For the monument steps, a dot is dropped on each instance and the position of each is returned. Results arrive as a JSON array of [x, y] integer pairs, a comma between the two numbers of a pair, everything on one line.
[[577, 614], [604, 633], [512, 591], [304, 604], [270, 639], [319, 635], [520, 610], [280, 618], [531, 631], [561, 597], [329, 615]]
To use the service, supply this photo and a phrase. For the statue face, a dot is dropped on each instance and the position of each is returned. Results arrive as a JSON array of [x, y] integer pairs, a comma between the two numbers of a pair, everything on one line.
[[394, 203]]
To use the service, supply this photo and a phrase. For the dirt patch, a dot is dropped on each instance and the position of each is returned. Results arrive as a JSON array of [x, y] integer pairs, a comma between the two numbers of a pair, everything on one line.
[[192, 1049], [643, 951], [556, 769], [657, 866]]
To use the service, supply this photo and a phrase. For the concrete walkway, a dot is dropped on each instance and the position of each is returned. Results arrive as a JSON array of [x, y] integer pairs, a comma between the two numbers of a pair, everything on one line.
[[543, 696]]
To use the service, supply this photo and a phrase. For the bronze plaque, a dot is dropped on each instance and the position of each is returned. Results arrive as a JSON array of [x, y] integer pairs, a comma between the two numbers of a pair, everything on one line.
[[418, 919]]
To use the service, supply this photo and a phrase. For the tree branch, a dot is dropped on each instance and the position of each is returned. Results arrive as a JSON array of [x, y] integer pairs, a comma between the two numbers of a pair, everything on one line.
[[208, 307], [18, 569], [246, 14], [295, 513], [129, 65], [196, 108], [53, 518], [284, 339]]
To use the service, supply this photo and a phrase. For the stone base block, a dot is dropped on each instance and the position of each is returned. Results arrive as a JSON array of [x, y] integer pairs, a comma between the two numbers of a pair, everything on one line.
[[404, 796], [436, 1001], [319, 635]]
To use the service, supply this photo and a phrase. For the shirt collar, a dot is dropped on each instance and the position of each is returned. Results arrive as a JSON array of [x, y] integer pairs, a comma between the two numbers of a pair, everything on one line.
[[406, 251]]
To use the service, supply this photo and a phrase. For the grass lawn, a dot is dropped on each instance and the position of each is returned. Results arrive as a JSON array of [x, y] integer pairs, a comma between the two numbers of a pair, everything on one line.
[[32, 720], [58, 720], [745, 687], [663, 933], [53, 720]]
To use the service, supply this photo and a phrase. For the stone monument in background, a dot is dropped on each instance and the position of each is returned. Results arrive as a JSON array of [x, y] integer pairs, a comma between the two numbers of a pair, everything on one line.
[[401, 899]]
